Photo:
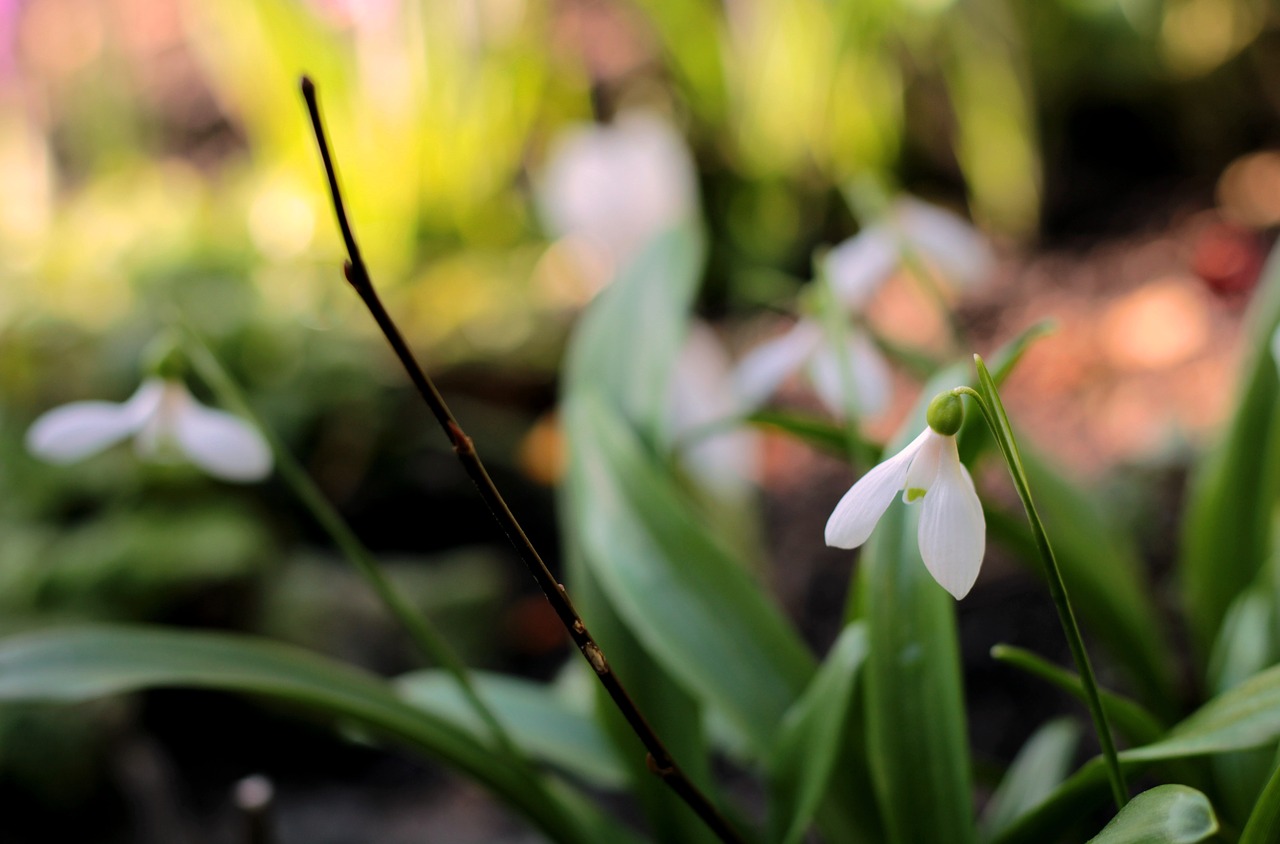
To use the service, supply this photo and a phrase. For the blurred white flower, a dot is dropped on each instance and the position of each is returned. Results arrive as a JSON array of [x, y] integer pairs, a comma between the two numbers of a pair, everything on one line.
[[944, 241], [953, 531], [702, 396], [166, 422], [856, 269], [610, 189], [763, 370]]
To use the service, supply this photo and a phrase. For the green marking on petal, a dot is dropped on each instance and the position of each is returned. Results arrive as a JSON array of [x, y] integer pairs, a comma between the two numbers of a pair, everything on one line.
[[915, 493]]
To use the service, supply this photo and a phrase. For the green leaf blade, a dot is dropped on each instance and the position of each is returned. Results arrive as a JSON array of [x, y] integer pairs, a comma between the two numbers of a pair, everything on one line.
[[1166, 814], [84, 663], [812, 735]]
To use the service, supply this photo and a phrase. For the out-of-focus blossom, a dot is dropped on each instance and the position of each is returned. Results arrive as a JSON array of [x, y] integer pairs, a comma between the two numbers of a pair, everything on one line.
[[953, 531], [610, 189], [945, 242], [167, 424], [804, 348], [702, 396], [855, 269]]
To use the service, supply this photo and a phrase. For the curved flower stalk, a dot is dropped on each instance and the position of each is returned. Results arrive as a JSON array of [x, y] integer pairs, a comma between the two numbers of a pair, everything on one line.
[[610, 189], [166, 422], [953, 531]]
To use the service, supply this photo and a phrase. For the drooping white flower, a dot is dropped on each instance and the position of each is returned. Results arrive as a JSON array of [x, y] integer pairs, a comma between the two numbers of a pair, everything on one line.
[[946, 243], [952, 532], [762, 370], [166, 422], [610, 189]]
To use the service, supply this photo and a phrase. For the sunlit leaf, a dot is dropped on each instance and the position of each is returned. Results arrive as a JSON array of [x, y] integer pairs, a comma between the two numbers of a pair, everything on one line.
[[691, 605], [84, 663], [1167, 814]]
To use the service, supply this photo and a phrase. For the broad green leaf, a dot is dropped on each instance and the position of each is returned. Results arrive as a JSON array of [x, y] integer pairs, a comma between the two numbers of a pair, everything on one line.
[[1167, 814], [812, 735], [686, 600], [1041, 764], [628, 341], [1234, 491], [916, 736], [1244, 717], [84, 663], [1264, 822], [540, 723]]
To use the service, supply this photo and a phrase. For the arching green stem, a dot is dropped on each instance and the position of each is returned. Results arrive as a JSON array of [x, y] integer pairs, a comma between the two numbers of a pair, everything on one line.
[[988, 401]]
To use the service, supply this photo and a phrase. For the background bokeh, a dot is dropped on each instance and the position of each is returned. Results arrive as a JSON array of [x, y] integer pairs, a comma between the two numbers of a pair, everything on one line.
[[155, 159]]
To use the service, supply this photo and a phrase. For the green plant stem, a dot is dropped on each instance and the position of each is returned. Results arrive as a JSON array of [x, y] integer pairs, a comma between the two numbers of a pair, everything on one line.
[[998, 421], [660, 761], [427, 639]]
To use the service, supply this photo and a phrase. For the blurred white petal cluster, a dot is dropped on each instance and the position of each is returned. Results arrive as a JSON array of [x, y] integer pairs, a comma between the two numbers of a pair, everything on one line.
[[911, 230], [167, 424], [609, 189]]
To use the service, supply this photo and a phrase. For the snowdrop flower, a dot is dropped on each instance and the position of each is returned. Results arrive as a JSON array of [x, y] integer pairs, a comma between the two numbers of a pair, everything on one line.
[[953, 532], [761, 372], [856, 269], [943, 240], [166, 422], [610, 189]]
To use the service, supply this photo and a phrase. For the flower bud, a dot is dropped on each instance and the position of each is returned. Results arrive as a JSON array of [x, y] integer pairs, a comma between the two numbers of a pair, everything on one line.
[[946, 414]]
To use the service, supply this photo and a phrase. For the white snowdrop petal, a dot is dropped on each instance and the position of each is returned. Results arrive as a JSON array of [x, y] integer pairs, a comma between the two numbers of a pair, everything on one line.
[[953, 532], [223, 445], [869, 373], [78, 430], [858, 266], [762, 370], [945, 239], [924, 469], [862, 506]]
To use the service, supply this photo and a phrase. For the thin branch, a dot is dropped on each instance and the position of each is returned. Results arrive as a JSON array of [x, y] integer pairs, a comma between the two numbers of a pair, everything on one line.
[[660, 761]]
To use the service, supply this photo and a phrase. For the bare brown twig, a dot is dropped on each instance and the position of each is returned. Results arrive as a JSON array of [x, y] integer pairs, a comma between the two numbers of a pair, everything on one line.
[[659, 760]]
